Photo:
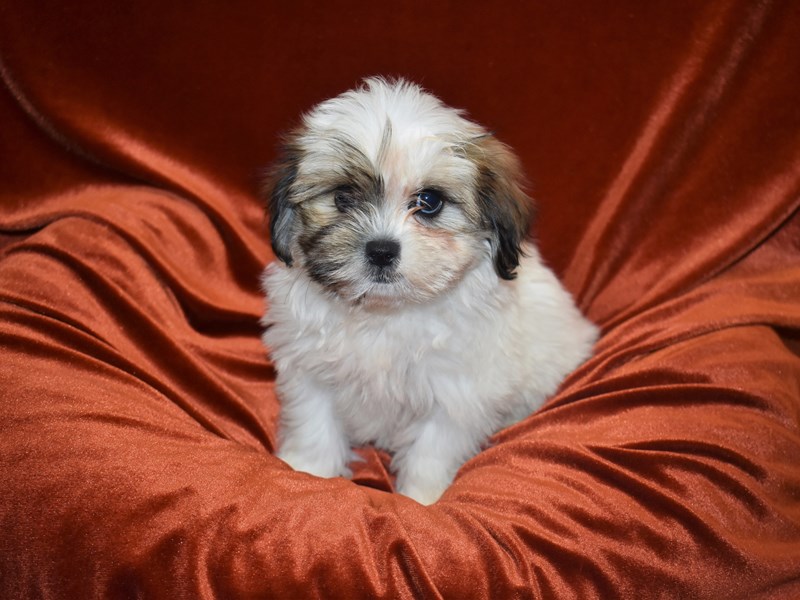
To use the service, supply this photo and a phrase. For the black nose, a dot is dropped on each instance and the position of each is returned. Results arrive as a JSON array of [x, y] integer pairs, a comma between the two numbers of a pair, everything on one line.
[[382, 253]]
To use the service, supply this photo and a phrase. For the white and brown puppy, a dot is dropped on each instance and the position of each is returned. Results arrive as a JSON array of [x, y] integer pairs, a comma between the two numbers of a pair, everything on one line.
[[407, 308]]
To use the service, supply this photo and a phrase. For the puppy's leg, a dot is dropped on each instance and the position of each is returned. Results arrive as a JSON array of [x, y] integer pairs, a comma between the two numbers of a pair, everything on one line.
[[311, 436], [426, 467]]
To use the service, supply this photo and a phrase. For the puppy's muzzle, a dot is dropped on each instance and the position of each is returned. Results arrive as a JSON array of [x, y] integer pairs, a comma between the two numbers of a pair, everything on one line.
[[382, 253]]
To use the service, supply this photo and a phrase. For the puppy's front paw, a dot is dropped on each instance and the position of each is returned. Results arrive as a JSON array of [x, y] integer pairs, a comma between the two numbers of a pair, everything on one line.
[[424, 480], [310, 460], [426, 493]]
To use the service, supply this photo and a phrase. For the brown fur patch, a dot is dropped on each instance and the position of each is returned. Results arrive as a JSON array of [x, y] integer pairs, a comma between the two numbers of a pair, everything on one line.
[[506, 211]]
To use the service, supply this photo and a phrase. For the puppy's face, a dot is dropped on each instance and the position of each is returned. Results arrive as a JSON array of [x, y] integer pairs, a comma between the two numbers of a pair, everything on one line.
[[385, 196]]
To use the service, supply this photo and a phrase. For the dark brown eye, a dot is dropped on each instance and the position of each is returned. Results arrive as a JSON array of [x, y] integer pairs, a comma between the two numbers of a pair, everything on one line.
[[428, 202], [344, 198]]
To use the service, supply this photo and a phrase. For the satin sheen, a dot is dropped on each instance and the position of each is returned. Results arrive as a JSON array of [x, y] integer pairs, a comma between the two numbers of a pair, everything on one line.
[[662, 140]]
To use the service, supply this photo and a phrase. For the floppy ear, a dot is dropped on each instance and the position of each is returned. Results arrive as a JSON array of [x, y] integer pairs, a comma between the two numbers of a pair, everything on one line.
[[281, 209], [506, 210]]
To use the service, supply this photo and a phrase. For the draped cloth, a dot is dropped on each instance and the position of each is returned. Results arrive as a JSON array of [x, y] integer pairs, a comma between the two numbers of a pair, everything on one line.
[[137, 409]]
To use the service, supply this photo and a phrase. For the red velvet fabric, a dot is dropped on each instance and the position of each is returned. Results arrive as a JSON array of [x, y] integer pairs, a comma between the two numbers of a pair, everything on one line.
[[138, 415]]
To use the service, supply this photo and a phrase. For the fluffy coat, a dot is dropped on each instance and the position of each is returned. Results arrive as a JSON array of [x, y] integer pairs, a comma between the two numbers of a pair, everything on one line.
[[427, 349]]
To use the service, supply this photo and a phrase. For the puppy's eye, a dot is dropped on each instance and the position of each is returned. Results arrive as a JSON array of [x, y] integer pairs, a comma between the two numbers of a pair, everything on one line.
[[344, 198], [427, 202]]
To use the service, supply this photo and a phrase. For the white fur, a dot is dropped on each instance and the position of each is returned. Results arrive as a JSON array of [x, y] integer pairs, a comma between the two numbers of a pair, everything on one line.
[[429, 366]]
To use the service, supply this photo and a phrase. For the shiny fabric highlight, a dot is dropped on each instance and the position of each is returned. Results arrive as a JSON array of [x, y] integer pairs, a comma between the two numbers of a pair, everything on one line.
[[138, 412]]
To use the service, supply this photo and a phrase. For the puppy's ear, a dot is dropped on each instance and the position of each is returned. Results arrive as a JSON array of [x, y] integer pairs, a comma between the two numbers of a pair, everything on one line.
[[278, 191], [506, 210]]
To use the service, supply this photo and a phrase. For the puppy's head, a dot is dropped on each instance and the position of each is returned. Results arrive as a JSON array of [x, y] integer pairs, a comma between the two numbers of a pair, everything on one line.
[[384, 196]]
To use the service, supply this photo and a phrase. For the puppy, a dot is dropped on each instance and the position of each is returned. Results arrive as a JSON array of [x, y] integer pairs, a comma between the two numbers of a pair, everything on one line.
[[407, 308]]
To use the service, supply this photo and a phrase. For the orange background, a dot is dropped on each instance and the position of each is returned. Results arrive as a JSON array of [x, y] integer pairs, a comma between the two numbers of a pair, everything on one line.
[[138, 419]]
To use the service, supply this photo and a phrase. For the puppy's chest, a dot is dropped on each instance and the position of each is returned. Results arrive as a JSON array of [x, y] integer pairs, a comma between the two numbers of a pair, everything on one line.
[[388, 372], [385, 376], [397, 360]]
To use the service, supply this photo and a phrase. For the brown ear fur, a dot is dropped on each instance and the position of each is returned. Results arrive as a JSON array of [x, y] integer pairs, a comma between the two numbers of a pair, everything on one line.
[[506, 210], [281, 209]]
